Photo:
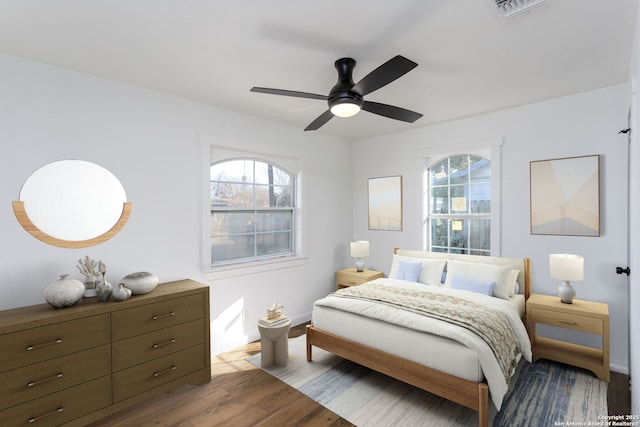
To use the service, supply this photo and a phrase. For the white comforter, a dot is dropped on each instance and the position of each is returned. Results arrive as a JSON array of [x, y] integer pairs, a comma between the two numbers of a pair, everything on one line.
[[495, 379]]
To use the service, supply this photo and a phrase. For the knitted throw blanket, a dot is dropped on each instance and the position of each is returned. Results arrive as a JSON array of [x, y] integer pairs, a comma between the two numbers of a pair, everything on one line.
[[487, 323]]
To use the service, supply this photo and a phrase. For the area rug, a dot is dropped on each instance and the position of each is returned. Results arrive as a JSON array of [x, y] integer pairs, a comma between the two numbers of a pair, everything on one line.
[[541, 394]]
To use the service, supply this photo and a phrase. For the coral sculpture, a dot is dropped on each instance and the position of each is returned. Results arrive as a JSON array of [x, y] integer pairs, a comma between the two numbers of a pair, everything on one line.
[[89, 268]]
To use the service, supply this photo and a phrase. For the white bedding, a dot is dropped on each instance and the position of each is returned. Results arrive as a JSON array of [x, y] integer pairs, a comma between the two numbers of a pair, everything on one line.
[[450, 349]]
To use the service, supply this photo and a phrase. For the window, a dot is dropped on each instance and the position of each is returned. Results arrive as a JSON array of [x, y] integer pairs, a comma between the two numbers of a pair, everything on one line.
[[252, 211], [459, 205]]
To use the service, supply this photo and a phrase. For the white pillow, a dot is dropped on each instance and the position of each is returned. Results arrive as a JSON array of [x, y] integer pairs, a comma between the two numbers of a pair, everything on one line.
[[430, 274], [504, 277], [473, 285]]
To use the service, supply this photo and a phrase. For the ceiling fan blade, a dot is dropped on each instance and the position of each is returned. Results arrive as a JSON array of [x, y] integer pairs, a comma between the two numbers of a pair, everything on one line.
[[391, 112], [384, 74], [320, 121], [288, 93]]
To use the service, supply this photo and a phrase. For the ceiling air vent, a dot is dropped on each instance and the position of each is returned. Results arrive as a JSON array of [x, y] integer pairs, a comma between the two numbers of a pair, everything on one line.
[[513, 7]]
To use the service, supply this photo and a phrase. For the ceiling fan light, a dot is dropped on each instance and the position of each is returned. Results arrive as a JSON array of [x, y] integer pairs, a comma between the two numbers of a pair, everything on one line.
[[345, 109]]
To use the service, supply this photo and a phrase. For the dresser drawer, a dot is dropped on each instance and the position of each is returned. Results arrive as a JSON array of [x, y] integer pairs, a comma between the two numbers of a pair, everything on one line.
[[152, 317], [30, 382], [568, 320], [61, 407], [132, 351], [46, 342], [140, 378]]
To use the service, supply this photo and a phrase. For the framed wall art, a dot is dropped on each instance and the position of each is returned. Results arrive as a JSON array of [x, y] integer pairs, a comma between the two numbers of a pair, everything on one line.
[[565, 196], [385, 203]]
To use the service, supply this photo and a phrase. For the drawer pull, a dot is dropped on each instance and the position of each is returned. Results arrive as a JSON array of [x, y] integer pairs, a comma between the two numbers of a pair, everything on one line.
[[165, 371], [48, 414], [160, 316], [44, 380], [568, 322], [46, 344], [162, 344]]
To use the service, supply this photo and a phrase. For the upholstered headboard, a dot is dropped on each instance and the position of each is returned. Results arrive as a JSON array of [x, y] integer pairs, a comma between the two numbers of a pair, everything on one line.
[[520, 264]]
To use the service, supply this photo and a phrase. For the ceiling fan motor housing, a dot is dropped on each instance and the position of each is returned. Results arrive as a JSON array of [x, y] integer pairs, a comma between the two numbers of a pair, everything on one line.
[[341, 92]]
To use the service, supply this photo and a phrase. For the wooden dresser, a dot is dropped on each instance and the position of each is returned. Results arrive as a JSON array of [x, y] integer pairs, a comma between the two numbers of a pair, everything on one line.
[[75, 365]]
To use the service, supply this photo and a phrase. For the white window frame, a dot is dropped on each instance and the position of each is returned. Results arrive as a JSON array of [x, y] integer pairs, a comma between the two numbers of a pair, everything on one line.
[[490, 149], [295, 165]]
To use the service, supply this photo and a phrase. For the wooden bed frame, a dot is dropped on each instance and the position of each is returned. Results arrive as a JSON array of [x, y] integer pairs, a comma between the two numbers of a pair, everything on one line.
[[467, 393]]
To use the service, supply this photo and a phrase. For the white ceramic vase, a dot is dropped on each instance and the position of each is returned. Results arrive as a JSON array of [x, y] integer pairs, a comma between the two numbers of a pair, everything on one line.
[[121, 294], [140, 283], [104, 290], [64, 292]]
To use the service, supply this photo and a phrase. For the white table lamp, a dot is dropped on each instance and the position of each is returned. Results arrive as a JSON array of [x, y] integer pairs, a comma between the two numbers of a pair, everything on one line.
[[568, 268], [359, 250]]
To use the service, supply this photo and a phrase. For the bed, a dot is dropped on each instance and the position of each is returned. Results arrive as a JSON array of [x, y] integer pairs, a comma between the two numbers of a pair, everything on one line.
[[457, 366]]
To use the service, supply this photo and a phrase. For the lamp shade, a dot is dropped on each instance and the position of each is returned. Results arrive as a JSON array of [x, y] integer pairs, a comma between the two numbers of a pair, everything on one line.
[[566, 267], [360, 249]]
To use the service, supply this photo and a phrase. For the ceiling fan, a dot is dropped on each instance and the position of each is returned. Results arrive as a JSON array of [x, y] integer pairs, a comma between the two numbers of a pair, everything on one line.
[[346, 98]]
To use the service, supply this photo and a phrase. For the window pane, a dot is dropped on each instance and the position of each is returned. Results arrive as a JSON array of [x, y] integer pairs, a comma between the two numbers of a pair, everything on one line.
[[482, 253], [273, 221], [264, 173], [233, 195], [481, 198], [270, 174], [439, 173], [458, 233], [273, 243], [226, 223], [269, 196], [283, 196], [459, 169], [480, 169], [240, 171], [225, 248], [439, 200], [439, 233], [480, 234], [459, 199]]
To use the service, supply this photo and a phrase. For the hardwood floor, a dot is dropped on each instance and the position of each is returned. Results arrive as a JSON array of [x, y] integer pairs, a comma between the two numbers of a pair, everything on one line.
[[239, 394], [619, 395], [242, 395]]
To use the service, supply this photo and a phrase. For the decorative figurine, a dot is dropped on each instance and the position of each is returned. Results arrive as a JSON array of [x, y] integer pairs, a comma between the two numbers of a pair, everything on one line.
[[121, 293], [274, 311], [89, 268], [103, 289]]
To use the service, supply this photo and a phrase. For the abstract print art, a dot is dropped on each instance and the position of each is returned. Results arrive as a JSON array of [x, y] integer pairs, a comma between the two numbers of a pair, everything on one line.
[[565, 196]]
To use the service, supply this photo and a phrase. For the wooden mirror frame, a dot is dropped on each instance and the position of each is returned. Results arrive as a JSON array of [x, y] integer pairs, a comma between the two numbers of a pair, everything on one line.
[[31, 228], [72, 204]]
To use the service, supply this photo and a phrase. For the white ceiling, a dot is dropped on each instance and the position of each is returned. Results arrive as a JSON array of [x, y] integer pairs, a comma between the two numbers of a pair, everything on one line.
[[471, 59]]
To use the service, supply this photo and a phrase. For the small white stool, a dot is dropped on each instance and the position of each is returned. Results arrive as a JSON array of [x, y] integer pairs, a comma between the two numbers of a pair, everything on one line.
[[274, 342]]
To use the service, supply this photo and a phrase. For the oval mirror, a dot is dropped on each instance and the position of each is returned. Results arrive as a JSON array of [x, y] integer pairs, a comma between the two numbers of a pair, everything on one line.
[[72, 204]]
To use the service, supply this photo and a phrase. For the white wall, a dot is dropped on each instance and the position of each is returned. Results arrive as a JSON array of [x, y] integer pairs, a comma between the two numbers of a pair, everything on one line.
[[152, 142], [582, 124]]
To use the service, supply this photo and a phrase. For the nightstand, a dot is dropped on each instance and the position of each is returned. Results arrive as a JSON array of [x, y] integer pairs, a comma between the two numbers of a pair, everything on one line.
[[350, 277], [584, 316]]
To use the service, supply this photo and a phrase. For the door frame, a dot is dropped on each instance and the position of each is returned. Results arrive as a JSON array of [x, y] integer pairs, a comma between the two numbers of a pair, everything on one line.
[[634, 249]]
